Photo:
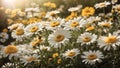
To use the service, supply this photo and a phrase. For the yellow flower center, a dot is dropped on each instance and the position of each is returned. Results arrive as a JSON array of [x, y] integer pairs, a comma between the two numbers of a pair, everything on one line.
[[102, 4], [5, 30], [30, 59], [52, 14], [55, 55], [34, 29], [74, 24], [36, 41], [90, 28], [59, 38], [71, 54], [15, 27], [59, 61], [111, 39], [19, 32], [87, 39], [11, 49], [118, 9], [53, 24], [92, 57], [106, 24]]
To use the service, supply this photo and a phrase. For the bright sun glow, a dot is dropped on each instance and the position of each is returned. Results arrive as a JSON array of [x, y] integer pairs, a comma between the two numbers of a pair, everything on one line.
[[9, 3], [13, 3]]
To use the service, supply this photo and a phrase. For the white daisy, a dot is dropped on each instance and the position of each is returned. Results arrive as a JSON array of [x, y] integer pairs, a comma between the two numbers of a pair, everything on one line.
[[24, 49], [10, 50], [15, 26], [3, 37], [71, 53], [114, 1], [19, 33], [72, 9], [10, 65], [102, 4], [74, 24], [42, 47], [105, 23], [54, 24], [91, 57], [34, 28], [109, 42], [29, 14], [86, 38], [117, 8], [59, 37], [51, 14], [1, 51], [29, 58], [93, 19]]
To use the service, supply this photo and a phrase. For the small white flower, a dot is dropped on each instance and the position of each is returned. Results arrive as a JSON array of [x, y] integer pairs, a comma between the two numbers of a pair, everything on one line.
[[10, 65], [34, 28], [86, 38], [74, 24], [42, 47], [19, 33], [10, 50], [117, 8], [54, 24], [72, 9], [3, 37], [105, 23], [91, 57], [51, 13], [102, 4], [59, 37], [109, 42], [71, 53], [29, 58], [15, 26], [114, 1]]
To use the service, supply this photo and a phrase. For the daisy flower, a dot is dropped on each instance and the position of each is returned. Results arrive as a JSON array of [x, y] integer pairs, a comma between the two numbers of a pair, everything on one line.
[[74, 24], [102, 4], [1, 51], [105, 23], [114, 1], [3, 37], [93, 19], [36, 41], [10, 65], [19, 33], [29, 58], [51, 14], [46, 48], [24, 49], [72, 9], [109, 42], [10, 50], [71, 53], [34, 28], [86, 38], [117, 8], [91, 57], [54, 24], [59, 37], [15, 26]]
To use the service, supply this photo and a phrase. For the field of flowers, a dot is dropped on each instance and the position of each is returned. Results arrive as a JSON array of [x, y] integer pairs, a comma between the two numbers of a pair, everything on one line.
[[79, 37]]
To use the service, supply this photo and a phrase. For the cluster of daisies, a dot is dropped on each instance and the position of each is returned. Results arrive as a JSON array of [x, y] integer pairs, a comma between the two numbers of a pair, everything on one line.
[[85, 39]]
